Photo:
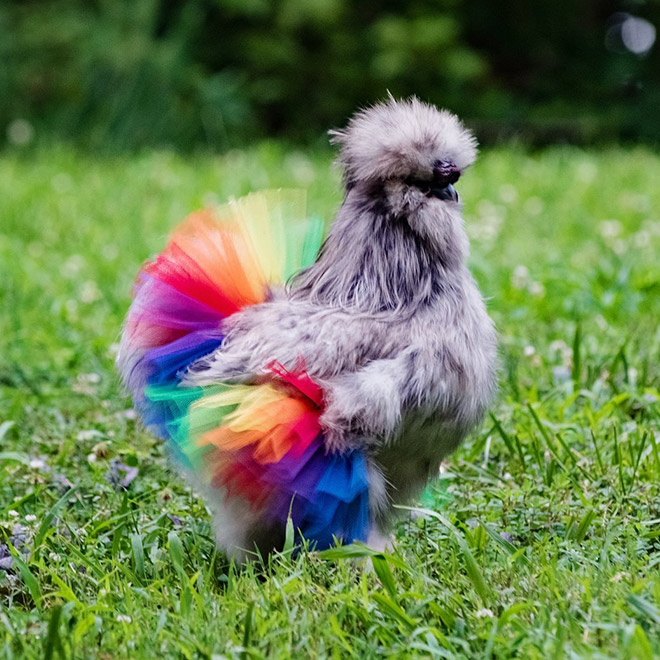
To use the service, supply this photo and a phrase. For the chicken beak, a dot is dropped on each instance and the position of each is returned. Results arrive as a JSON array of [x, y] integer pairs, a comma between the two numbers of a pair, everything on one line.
[[447, 193]]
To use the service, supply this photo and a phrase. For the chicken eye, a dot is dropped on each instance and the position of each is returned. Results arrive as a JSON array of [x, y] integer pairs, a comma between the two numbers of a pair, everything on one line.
[[422, 185]]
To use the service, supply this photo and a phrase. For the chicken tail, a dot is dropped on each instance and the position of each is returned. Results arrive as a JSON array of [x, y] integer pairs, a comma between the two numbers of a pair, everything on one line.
[[261, 443]]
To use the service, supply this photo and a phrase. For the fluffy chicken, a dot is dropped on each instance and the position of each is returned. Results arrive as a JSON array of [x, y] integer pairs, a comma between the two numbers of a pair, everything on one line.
[[387, 321]]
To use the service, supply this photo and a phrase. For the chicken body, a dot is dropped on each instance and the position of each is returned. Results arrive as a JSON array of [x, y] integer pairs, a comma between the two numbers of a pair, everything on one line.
[[388, 320]]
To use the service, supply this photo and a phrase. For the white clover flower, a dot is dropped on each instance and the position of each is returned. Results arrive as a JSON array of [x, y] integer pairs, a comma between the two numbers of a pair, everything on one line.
[[20, 132], [110, 251], [508, 193], [89, 434], [536, 289], [301, 168], [653, 227], [73, 265], [561, 374], [89, 292], [619, 246], [61, 182], [534, 206], [601, 322], [520, 277], [561, 347], [587, 171], [610, 229]]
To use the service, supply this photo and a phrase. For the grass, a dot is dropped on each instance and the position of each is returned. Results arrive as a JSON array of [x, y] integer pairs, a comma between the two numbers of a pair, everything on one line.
[[540, 540]]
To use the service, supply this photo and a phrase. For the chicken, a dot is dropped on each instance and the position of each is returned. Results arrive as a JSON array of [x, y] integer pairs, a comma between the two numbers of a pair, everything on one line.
[[388, 320]]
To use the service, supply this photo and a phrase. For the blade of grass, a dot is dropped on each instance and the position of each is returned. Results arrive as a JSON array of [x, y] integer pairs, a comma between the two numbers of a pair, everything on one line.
[[574, 461], [53, 641], [599, 459], [99, 573], [176, 552], [521, 454], [289, 536], [503, 434], [471, 566], [138, 555], [643, 644], [65, 590], [14, 456], [643, 607], [541, 428], [642, 444], [654, 445], [446, 616], [359, 550], [382, 570], [341, 635], [393, 611], [247, 629], [535, 450], [507, 546], [48, 518], [4, 429], [618, 462], [30, 581], [578, 533], [576, 368]]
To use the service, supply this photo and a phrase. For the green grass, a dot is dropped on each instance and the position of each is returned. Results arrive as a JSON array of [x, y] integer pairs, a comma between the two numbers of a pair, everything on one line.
[[543, 536]]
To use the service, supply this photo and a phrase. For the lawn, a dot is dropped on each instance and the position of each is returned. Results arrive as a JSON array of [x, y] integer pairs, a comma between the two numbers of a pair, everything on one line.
[[541, 538]]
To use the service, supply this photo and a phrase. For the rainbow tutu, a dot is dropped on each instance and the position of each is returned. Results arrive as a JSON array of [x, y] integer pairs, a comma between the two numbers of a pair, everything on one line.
[[260, 443]]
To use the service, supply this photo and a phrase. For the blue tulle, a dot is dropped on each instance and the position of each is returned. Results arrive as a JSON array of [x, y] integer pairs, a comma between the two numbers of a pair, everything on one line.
[[339, 507], [167, 364]]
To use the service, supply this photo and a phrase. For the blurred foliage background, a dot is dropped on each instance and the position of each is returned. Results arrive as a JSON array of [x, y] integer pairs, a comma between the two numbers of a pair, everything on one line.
[[117, 74]]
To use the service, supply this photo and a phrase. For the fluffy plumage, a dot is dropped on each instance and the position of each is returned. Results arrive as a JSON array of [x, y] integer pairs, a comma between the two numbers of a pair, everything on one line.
[[393, 140], [387, 321]]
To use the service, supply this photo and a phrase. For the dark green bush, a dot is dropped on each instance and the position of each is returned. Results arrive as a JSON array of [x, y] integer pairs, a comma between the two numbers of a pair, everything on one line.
[[128, 73]]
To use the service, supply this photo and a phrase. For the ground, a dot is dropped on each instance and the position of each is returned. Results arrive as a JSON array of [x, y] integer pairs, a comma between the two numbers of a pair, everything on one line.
[[540, 539]]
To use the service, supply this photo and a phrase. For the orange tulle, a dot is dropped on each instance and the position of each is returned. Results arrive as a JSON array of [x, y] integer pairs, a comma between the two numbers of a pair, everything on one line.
[[273, 427], [223, 253]]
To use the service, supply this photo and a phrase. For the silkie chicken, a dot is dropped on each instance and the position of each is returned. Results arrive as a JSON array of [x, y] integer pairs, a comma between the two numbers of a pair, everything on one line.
[[331, 398]]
